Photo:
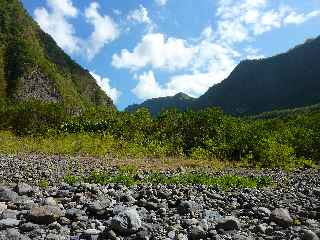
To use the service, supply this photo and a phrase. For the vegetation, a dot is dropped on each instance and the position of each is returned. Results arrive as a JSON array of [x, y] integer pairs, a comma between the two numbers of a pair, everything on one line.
[[129, 176], [287, 141], [26, 52]]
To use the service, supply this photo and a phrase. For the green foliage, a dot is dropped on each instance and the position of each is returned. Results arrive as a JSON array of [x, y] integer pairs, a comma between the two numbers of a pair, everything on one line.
[[24, 47], [209, 134], [71, 179], [127, 176], [43, 183]]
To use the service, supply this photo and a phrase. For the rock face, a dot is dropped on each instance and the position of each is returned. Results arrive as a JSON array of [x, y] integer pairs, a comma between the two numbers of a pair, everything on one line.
[[34, 67], [37, 85]]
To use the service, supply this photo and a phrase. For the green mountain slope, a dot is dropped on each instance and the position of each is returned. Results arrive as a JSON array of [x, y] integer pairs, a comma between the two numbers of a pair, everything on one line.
[[32, 66], [179, 101], [284, 81], [287, 80]]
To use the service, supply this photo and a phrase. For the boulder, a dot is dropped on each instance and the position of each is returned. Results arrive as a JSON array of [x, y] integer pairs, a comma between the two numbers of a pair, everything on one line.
[[126, 222], [281, 216], [45, 214]]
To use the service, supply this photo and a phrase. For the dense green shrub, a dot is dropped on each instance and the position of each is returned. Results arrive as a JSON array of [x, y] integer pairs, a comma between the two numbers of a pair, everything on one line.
[[283, 141]]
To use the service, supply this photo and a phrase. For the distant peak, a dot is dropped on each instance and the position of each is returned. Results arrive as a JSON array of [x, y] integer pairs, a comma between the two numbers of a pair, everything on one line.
[[182, 95]]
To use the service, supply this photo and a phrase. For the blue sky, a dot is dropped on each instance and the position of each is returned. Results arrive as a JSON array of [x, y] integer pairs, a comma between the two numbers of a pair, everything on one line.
[[140, 49]]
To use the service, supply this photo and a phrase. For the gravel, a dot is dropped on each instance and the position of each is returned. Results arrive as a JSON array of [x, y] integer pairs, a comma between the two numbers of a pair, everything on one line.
[[288, 210]]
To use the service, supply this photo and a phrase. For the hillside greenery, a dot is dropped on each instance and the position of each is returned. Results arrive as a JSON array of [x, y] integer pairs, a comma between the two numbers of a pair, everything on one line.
[[26, 52], [289, 141]]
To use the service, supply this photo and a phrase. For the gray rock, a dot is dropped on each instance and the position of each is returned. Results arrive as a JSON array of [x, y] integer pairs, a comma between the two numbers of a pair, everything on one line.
[[229, 223], [281, 216], [9, 213], [12, 234], [309, 235], [28, 227], [197, 232], [7, 195], [212, 215], [24, 189], [264, 212], [45, 214], [126, 222], [99, 207], [3, 207], [186, 207], [9, 223]]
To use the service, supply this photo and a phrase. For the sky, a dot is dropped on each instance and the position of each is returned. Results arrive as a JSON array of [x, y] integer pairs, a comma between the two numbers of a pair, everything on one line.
[[141, 49]]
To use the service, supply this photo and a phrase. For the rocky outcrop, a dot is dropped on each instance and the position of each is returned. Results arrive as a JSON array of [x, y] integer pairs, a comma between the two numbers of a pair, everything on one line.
[[37, 86]]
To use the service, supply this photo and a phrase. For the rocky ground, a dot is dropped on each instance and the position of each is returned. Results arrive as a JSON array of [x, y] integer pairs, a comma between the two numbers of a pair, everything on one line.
[[288, 210]]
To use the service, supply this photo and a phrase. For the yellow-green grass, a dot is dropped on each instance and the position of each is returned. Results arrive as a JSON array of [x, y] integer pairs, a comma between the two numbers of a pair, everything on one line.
[[113, 152]]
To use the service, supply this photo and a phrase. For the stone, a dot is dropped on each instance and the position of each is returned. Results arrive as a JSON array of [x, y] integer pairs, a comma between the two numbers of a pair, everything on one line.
[[28, 227], [281, 216], [197, 232], [126, 222], [50, 201], [45, 214], [264, 212], [7, 195], [3, 207], [309, 235], [9, 213], [99, 207], [24, 189], [229, 223], [13, 234], [186, 207], [212, 215], [9, 223]]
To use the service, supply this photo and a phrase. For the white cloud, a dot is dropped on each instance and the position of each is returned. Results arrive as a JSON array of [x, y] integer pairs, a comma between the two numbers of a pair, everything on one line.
[[105, 30], [161, 3], [295, 18], [104, 83], [157, 51], [212, 56], [55, 23], [242, 20], [139, 15], [148, 87]]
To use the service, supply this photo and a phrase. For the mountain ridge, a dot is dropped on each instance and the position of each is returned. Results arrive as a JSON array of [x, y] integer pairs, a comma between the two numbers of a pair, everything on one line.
[[273, 83], [33, 67]]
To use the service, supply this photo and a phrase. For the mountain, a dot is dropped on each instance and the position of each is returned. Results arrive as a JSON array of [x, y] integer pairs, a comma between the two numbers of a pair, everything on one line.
[[287, 80], [32, 66], [180, 101]]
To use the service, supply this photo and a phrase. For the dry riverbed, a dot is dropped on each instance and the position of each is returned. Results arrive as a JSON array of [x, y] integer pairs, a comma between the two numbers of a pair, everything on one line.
[[37, 203]]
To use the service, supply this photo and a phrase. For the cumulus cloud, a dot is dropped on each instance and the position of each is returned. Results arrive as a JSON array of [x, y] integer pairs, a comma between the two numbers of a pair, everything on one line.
[[104, 83], [105, 30], [161, 3], [210, 63], [148, 87], [157, 51], [210, 58], [55, 22], [242, 20], [139, 15]]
